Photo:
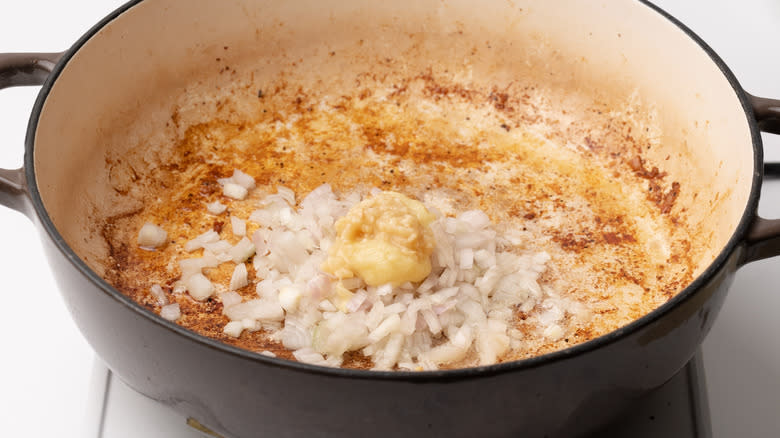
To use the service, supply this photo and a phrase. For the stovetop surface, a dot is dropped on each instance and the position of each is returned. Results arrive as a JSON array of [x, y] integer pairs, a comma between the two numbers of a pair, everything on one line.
[[47, 369]]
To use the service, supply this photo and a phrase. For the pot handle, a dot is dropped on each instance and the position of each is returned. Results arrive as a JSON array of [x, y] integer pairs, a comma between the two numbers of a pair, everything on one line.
[[18, 69], [763, 237], [767, 112]]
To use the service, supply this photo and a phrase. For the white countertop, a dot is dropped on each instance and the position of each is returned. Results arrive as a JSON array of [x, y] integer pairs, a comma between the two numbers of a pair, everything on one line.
[[46, 369]]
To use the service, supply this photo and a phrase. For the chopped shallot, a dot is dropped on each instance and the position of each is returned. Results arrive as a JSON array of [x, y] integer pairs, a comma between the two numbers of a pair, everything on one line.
[[171, 312], [462, 309], [234, 191], [199, 287], [216, 207], [239, 278], [238, 225], [151, 236], [157, 291]]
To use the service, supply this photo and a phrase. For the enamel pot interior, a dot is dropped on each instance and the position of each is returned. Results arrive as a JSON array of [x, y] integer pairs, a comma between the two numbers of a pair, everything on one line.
[[116, 94]]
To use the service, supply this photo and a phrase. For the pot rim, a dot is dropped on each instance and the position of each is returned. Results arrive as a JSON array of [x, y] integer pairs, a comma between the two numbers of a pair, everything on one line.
[[735, 241]]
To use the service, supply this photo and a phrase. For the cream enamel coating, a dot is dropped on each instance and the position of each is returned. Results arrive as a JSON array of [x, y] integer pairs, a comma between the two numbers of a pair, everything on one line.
[[125, 91], [152, 67]]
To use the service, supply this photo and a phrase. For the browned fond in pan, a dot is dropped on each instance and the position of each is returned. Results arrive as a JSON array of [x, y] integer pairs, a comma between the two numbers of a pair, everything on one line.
[[560, 167]]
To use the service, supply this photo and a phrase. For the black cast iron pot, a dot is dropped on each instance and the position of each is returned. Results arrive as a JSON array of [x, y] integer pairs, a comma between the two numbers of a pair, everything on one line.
[[149, 46]]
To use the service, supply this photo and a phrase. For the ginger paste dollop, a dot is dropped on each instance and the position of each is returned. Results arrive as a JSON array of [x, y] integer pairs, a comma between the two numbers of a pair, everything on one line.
[[384, 239]]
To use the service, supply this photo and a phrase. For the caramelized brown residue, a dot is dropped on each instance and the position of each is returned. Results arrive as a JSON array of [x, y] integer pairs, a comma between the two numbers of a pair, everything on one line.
[[426, 136], [664, 200]]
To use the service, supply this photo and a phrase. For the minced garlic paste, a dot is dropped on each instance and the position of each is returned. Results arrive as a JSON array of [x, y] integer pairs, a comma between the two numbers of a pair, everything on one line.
[[386, 238]]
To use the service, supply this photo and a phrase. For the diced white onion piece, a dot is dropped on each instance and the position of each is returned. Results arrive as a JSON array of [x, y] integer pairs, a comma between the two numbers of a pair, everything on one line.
[[262, 309], [229, 299], [264, 216], [449, 319], [327, 306], [309, 355], [267, 353], [216, 207], [492, 341], [391, 324], [286, 216], [450, 225], [244, 180], [267, 289], [475, 219], [319, 286], [251, 324], [484, 258], [209, 260], [289, 296], [375, 315], [179, 287], [209, 236], [157, 292], [261, 246], [357, 300], [466, 259], [442, 308], [395, 308], [390, 353], [288, 251], [371, 349], [429, 282], [224, 257], [235, 191], [444, 353], [553, 332], [190, 267], [409, 319], [233, 328], [219, 247], [454, 350], [151, 236], [463, 337], [199, 287], [171, 312], [384, 290], [448, 278], [238, 225], [287, 194], [239, 278], [340, 333], [433, 322], [488, 281], [294, 335], [443, 295], [242, 250]]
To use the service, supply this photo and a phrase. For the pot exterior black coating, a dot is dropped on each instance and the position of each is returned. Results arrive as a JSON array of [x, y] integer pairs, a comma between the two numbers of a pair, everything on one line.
[[238, 395]]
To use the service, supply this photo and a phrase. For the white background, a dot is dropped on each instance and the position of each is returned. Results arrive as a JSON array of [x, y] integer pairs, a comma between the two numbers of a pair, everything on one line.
[[45, 367]]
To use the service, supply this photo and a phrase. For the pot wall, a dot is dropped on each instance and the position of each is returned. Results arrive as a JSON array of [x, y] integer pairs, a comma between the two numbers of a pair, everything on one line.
[[123, 81]]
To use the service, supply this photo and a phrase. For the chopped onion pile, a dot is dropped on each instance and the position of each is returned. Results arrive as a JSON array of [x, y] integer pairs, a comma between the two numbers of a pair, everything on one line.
[[461, 312]]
